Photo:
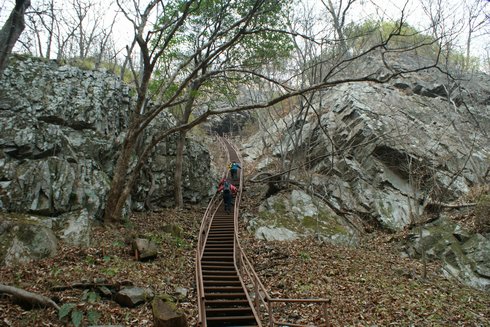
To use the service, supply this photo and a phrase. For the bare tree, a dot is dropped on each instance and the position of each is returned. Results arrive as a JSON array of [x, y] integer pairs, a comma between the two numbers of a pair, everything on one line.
[[338, 12], [40, 24], [198, 66], [477, 19], [76, 29], [11, 30]]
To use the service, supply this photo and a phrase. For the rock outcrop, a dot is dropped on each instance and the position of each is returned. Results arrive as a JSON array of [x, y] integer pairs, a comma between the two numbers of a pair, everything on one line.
[[384, 153], [60, 131], [464, 256], [380, 153], [287, 216]]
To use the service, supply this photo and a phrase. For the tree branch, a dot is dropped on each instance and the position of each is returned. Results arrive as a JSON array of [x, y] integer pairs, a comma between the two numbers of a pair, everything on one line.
[[29, 298]]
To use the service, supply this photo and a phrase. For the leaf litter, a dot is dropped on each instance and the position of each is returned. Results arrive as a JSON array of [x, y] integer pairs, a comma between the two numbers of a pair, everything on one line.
[[371, 285]]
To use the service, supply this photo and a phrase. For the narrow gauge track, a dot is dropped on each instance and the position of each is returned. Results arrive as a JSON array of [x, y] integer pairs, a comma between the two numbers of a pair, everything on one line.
[[229, 291], [223, 300]]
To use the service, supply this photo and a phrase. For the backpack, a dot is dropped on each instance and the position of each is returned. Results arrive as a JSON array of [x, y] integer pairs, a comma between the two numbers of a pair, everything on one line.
[[226, 187], [234, 166]]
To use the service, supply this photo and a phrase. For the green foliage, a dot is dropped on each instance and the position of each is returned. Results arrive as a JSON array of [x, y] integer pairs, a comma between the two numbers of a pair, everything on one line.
[[157, 238], [177, 241], [362, 36], [55, 271], [89, 63], [93, 316], [65, 309], [74, 313], [370, 33], [90, 260], [76, 317], [110, 271], [461, 62], [181, 243], [305, 256], [209, 26], [119, 244], [90, 296], [83, 63]]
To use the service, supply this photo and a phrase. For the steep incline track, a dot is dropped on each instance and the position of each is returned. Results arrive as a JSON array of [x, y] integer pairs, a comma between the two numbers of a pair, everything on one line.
[[223, 300]]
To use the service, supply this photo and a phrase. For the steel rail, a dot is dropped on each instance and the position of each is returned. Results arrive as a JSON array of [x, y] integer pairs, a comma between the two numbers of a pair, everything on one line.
[[262, 304], [213, 206], [261, 298]]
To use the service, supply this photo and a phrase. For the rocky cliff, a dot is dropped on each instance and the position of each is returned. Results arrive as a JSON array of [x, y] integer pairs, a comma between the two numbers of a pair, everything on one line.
[[383, 154], [60, 129]]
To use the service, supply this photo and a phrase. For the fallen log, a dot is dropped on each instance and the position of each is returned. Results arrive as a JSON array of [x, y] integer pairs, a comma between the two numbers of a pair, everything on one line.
[[26, 298]]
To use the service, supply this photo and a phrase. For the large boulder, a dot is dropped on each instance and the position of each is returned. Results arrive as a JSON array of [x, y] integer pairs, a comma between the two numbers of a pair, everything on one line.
[[24, 238], [381, 153], [289, 215], [464, 257], [144, 249], [166, 315], [131, 296]]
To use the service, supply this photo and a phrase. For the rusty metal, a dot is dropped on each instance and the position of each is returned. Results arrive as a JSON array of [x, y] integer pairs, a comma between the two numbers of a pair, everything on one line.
[[231, 293]]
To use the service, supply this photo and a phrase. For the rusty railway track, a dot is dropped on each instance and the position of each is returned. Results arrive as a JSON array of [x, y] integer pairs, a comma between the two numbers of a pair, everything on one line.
[[229, 291], [224, 299]]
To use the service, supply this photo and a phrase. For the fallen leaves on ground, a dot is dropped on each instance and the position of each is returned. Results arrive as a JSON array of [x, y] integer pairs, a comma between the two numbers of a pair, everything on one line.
[[109, 258], [369, 285]]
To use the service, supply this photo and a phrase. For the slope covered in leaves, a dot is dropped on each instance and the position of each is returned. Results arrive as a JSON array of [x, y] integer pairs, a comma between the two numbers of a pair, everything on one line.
[[369, 285], [110, 260]]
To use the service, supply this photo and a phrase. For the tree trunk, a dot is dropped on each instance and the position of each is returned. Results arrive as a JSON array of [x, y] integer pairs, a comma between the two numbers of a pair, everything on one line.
[[468, 51], [117, 194], [11, 30], [179, 163]]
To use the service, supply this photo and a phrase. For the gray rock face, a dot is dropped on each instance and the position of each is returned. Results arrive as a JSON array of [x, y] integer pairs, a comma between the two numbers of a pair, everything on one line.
[[275, 234], [466, 259], [25, 238], [288, 216], [74, 227], [391, 151], [155, 188], [58, 128], [132, 296], [54, 185], [60, 131]]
